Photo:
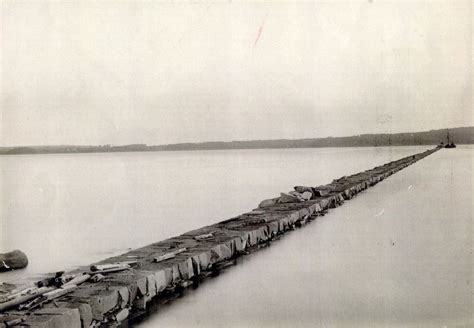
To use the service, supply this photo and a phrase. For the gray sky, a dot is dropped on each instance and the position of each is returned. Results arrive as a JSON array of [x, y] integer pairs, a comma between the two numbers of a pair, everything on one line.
[[148, 72]]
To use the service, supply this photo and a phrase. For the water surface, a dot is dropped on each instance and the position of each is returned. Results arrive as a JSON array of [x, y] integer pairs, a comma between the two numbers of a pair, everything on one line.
[[400, 254]]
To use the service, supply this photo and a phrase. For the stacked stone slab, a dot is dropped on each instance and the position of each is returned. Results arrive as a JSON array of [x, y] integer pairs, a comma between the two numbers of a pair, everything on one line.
[[93, 304]]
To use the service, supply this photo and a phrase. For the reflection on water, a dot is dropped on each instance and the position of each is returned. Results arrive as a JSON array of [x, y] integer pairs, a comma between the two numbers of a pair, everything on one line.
[[400, 254]]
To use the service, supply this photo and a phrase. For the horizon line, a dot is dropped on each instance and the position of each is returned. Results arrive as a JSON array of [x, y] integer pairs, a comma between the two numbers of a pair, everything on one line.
[[221, 141]]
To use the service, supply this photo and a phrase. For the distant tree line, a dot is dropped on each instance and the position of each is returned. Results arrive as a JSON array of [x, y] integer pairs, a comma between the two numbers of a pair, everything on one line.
[[463, 135]]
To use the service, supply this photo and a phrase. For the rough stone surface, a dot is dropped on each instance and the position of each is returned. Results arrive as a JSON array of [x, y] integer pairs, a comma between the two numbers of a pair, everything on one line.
[[54, 318], [13, 260], [268, 202], [288, 198], [307, 195]]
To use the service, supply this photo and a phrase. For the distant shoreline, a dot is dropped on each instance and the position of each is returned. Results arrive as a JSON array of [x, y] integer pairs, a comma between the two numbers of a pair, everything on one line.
[[180, 150], [462, 135]]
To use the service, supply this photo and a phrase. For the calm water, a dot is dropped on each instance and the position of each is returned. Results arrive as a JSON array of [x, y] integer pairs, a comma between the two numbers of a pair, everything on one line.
[[400, 254]]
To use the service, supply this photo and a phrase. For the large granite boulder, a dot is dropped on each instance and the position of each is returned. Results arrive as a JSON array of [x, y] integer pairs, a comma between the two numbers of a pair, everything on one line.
[[13, 260], [307, 195], [302, 189], [268, 202], [288, 198]]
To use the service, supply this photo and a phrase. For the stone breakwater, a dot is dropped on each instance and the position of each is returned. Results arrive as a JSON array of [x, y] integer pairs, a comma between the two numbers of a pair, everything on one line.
[[165, 267]]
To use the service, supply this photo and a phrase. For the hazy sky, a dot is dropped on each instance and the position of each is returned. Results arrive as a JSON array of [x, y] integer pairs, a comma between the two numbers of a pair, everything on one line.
[[148, 72]]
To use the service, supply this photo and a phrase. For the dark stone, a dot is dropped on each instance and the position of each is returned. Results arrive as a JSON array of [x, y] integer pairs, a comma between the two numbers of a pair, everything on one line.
[[302, 189], [268, 203], [321, 191], [288, 198], [13, 261]]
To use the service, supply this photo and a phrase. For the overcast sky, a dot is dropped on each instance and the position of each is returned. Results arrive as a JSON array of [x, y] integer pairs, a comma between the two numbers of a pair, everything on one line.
[[143, 72]]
